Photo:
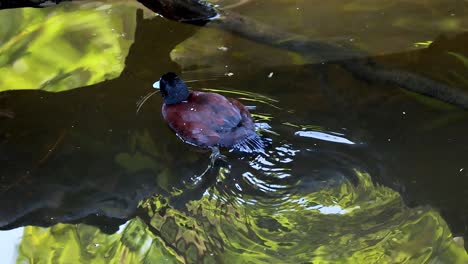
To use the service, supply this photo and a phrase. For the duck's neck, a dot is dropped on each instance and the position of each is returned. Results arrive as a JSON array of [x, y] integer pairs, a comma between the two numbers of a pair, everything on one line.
[[176, 97]]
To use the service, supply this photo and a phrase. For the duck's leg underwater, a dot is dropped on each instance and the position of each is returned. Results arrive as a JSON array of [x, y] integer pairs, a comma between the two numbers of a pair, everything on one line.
[[215, 155], [202, 179], [200, 183]]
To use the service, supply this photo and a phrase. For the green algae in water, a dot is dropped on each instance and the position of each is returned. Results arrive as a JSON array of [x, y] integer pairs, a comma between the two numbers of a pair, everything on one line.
[[372, 225]]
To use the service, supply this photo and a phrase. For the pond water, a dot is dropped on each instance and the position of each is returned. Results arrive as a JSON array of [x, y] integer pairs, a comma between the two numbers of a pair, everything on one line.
[[355, 170]]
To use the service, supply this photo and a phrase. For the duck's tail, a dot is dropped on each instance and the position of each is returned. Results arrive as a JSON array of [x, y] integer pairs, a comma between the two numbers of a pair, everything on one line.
[[250, 144]]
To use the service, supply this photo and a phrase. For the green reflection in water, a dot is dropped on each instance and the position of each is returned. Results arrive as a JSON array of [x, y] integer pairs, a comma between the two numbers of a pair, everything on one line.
[[349, 223], [64, 47], [65, 243]]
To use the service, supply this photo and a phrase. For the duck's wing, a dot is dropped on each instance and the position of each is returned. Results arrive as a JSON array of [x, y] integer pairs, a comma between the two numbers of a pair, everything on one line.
[[230, 120], [247, 139], [210, 119]]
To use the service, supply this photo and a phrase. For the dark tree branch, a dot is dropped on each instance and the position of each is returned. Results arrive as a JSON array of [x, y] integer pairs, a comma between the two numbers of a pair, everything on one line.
[[186, 11]]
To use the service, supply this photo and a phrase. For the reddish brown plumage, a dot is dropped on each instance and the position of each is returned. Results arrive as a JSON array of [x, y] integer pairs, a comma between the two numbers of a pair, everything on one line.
[[210, 119]]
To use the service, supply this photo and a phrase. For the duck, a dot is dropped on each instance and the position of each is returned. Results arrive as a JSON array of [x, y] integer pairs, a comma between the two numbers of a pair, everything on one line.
[[207, 119]]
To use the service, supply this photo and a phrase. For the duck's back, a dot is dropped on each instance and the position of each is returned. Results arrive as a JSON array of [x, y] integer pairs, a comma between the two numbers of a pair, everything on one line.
[[210, 119]]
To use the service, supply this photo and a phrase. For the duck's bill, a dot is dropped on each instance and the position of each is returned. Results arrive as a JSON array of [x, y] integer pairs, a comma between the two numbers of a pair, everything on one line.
[[156, 85]]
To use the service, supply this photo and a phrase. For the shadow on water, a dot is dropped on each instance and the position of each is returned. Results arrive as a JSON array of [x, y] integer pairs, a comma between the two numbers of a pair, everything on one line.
[[60, 150], [84, 157]]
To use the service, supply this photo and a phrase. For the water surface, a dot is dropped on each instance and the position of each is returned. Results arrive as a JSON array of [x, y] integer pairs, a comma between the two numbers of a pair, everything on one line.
[[354, 172]]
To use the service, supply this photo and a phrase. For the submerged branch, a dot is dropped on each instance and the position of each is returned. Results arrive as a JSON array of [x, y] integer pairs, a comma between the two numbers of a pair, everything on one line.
[[372, 72]]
